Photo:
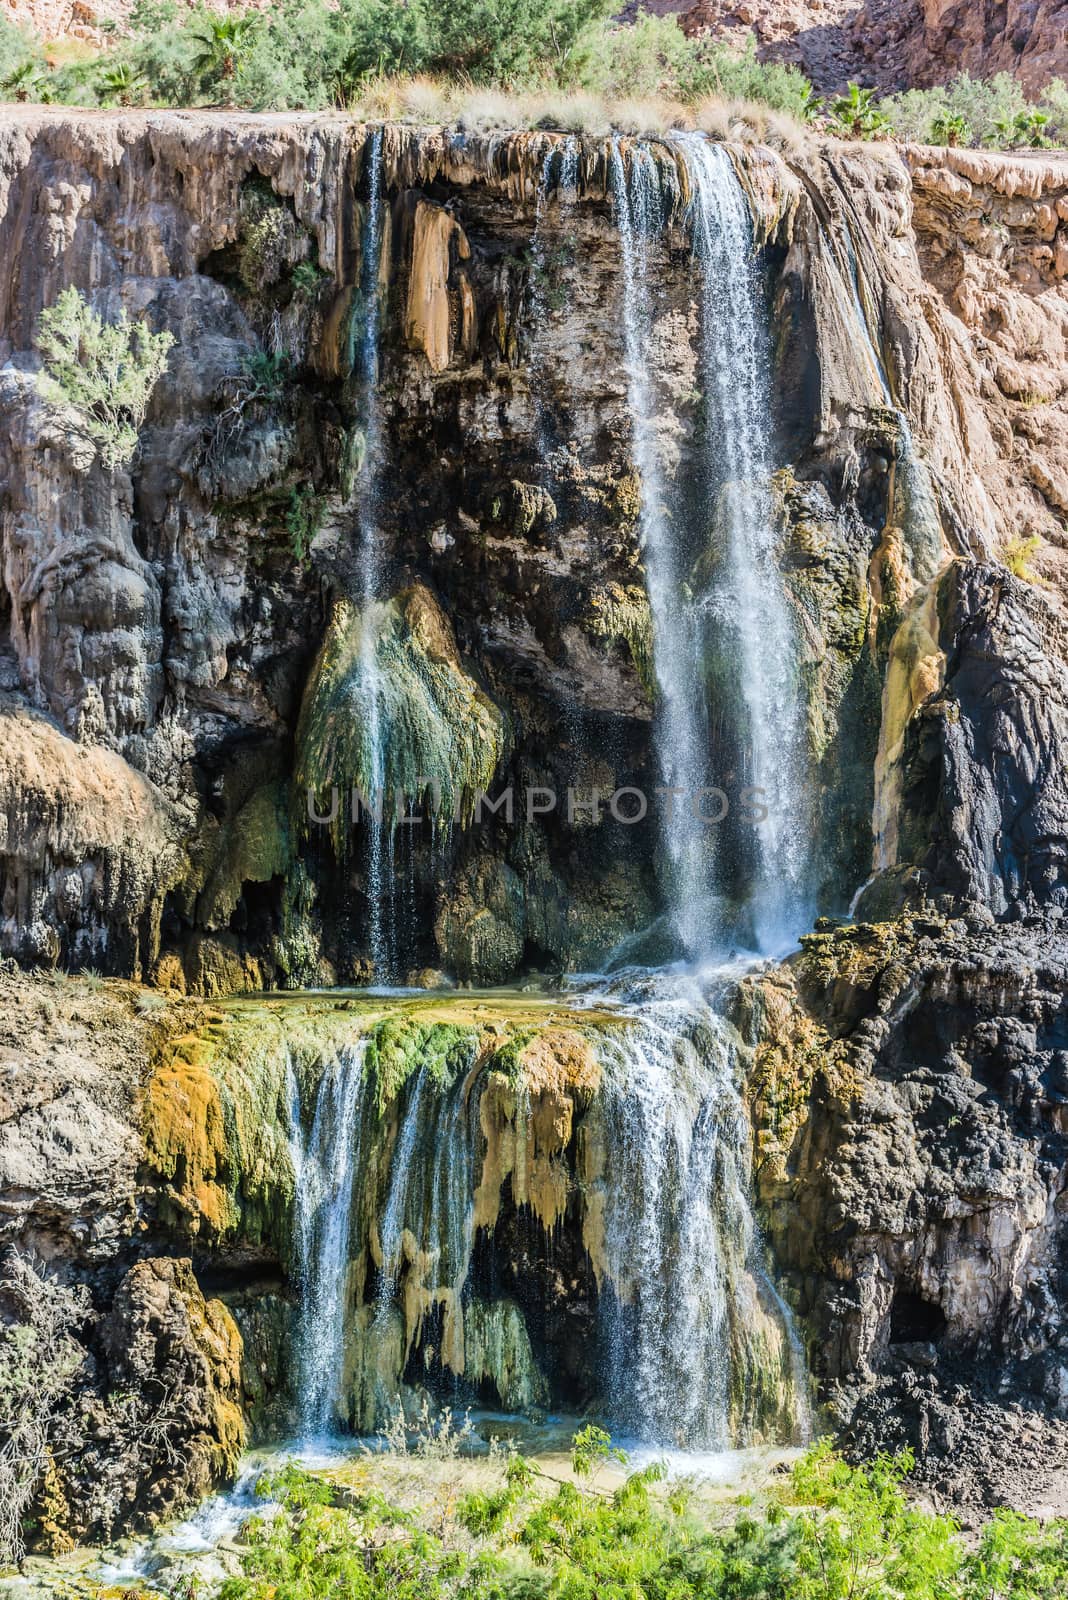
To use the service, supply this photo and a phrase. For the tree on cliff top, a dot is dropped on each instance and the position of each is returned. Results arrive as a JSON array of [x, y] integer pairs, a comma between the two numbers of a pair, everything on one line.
[[103, 371]]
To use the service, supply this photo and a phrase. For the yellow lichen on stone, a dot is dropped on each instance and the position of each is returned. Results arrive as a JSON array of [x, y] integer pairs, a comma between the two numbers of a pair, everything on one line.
[[185, 1135], [53, 1515], [559, 1059], [914, 672], [791, 1049]]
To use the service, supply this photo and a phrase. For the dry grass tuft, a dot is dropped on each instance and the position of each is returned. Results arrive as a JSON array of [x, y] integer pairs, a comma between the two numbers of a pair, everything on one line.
[[432, 101]]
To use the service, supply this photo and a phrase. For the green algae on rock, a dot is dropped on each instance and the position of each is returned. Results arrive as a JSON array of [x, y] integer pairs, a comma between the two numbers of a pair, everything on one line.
[[395, 668]]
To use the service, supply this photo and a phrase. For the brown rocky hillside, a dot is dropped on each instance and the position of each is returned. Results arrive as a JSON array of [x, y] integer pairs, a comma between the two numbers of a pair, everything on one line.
[[894, 44]]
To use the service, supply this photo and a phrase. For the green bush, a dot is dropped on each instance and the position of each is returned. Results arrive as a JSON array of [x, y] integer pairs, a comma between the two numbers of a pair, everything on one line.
[[833, 1532], [858, 115], [160, 49], [513, 44], [738, 75], [974, 111], [297, 59], [16, 49], [641, 60], [103, 371], [1055, 101]]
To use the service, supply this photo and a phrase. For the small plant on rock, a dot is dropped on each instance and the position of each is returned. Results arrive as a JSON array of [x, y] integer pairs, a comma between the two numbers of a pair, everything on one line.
[[104, 372], [1018, 555], [125, 85], [856, 115], [24, 82], [267, 372], [949, 128], [306, 278], [304, 518]]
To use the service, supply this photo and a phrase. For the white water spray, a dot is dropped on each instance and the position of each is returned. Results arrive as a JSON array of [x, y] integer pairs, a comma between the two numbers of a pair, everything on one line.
[[681, 1243], [364, 361], [326, 1164], [747, 597], [743, 610]]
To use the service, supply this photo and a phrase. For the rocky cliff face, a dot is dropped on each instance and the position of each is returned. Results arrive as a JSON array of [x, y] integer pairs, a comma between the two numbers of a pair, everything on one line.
[[162, 634], [894, 44], [150, 1403], [436, 383], [907, 1103]]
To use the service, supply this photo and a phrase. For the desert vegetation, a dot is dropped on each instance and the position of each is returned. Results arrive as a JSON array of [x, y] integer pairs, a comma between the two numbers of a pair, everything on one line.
[[521, 63]]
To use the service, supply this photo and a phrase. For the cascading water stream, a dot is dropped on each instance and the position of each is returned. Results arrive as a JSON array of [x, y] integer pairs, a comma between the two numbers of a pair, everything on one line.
[[680, 1232], [364, 362], [680, 729], [681, 1243], [326, 1164], [744, 602], [747, 597]]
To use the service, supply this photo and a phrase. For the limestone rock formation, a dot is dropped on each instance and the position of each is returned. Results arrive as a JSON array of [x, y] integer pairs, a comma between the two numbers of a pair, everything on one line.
[[161, 626], [440, 391], [153, 1416]]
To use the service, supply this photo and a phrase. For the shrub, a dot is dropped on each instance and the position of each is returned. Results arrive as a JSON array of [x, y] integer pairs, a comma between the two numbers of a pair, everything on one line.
[[651, 56], [977, 111], [1018, 1558], [949, 128], [385, 39], [26, 81], [1055, 100], [738, 75], [105, 372], [1024, 131], [297, 58], [161, 49], [509, 43], [836, 1532], [857, 115], [123, 84], [1018, 555], [17, 50], [40, 1360]]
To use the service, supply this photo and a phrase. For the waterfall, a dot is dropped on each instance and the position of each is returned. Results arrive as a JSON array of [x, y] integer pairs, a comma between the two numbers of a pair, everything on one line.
[[696, 1348], [747, 597], [681, 726], [429, 1197], [682, 1247], [559, 176], [364, 360], [742, 609], [325, 1165], [692, 1320]]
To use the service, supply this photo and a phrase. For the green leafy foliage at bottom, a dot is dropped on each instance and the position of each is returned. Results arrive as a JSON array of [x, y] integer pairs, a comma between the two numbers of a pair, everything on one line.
[[833, 1532]]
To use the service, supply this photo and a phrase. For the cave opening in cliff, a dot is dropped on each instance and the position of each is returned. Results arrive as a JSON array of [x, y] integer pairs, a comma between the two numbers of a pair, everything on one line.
[[914, 1319]]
